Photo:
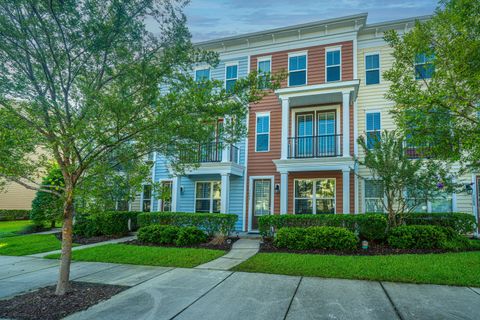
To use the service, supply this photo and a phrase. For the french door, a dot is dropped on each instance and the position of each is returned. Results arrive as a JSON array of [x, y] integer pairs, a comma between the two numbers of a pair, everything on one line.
[[316, 135]]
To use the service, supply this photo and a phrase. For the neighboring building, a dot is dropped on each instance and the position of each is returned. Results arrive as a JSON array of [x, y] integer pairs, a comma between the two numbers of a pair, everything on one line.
[[17, 197], [299, 154]]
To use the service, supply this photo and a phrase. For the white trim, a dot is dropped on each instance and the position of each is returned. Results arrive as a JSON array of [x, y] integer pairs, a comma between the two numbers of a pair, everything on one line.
[[314, 164], [159, 201], [245, 178], [373, 53], [151, 198], [211, 194], [331, 49], [324, 88], [298, 54], [250, 197], [258, 115], [314, 196]]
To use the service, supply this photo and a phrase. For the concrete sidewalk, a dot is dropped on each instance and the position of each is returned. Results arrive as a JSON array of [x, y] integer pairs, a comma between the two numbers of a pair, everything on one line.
[[242, 250], [174, 293]]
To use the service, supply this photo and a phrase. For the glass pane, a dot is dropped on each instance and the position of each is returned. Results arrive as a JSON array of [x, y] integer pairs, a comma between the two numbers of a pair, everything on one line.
[[373, 206], [303, 206], [203, 190], [303, 188], [373, 189], [297, 78], [216, 206], [202, 206], [146, 205], [373, 77], [263, 124], [325, 206], [333, 73], [262, 142], [202, 74], [262, 193], [264, 66], [372, 61], [442, 205], [333, 57], [293, 63], [217, 190], [147, 191], [302, 62], [372, 139], [325, 188], [232, 72], [229, 85]]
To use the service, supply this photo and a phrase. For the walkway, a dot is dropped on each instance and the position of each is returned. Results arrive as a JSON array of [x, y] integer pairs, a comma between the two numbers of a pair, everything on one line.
[[242, 250], [169, 293]]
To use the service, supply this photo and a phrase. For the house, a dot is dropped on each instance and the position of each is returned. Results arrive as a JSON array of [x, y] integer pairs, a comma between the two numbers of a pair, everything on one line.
[[298, 156]]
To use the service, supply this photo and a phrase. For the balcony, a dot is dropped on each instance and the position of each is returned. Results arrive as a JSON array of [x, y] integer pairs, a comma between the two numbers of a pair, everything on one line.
[[315, 146], [413, 151]]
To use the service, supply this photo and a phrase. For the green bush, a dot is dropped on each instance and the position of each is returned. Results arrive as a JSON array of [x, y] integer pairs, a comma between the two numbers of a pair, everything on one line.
[[189, 236], [110, 223], [367, 226], [211, 223], [11, 215], [417, 237], [161, 234], [326, 238], [463, 223]]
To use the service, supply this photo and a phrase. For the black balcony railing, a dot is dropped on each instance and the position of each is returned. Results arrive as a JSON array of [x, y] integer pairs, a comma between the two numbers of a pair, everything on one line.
[[315, 146], [212, 152], [415, 151]]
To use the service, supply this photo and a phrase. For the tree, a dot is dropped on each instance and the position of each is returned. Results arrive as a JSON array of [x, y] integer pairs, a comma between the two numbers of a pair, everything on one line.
[[406, 183], [47, 206], [81, 81], [441, 110]]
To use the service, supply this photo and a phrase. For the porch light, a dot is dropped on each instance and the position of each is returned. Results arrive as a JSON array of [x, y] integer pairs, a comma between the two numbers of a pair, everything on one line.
[[181, 189], [277, 188], [468, 188], [364, 244]]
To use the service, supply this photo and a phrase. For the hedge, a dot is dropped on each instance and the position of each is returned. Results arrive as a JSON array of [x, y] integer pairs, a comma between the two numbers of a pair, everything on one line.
[[211, 223], [109, 223], [463, 223], [171, 235], [326, 238], [417, 237], [11, 215], [368, 226]]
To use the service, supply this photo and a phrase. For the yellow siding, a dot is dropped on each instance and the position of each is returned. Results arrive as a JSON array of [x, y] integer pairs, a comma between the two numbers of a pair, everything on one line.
[[15, 196]]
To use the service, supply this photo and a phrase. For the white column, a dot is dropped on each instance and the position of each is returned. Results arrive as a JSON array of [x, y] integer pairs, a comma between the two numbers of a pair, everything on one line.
[[285, 126], [283, 192], [175, 192], [225, 192], [346, 190], [346, 123]]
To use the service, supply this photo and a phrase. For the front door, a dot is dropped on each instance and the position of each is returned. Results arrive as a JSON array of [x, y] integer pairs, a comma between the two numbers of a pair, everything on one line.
[[262, 204]]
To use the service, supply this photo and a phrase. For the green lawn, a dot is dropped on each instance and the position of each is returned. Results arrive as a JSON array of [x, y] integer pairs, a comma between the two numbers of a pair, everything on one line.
[[144, 255], [10, 228], [28, 244], [450, 268]]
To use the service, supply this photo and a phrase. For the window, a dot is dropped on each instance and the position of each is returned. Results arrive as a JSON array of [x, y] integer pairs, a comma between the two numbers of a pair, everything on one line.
[[372, 69], [334, 65], [373, 196], [231, 76], [424, 66], [262, 143], [373, 128], [202, 74], [165, 204], [441, 204], [146, 198], [264, 69], [297, 70], [314, 196], [207, 197], [121, 205]]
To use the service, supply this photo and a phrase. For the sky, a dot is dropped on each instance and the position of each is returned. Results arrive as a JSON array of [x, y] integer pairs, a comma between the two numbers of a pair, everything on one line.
[[211, 19]]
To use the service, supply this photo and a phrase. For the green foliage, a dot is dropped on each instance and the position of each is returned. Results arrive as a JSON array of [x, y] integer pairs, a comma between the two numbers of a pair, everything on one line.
[[367, 226], [46, 206], [406, 183], [461, 223], [326, 238], [161, 234], [10, 215], [110, 223], [417, 237], [440, 112], [211, 223], [190, 236]]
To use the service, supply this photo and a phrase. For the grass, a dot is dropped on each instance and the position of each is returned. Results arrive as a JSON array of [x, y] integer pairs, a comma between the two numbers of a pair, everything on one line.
[[461, 269], [11, 228], [145, 255], [28, 244]]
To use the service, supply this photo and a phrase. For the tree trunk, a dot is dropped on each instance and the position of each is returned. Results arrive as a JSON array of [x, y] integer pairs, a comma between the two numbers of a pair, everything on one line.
[[67, 231]]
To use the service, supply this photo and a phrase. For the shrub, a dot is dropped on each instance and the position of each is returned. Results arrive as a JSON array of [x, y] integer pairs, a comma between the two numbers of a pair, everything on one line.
[[417, 237], [463, 223], [161, 234], [11, 215], [368, 226], [189, 236], [327, 238], [211, 223], [110, 223]]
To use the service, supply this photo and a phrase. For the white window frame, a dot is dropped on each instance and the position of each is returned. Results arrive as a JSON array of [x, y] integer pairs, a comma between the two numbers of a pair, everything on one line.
[[314, 194], [330, 49], [211, 194], [202, 67], [425, 61], [159, 202], [298, 54], [366, 124], [263, 59], [230, 64], [379, 67], [142, 196], [364, 194], [258, 115], [250, 197]]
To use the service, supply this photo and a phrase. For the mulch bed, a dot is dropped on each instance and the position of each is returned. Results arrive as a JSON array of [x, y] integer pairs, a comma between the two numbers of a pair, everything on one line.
[[44, 304], [227, 245], [373, 250], [83, 240]]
